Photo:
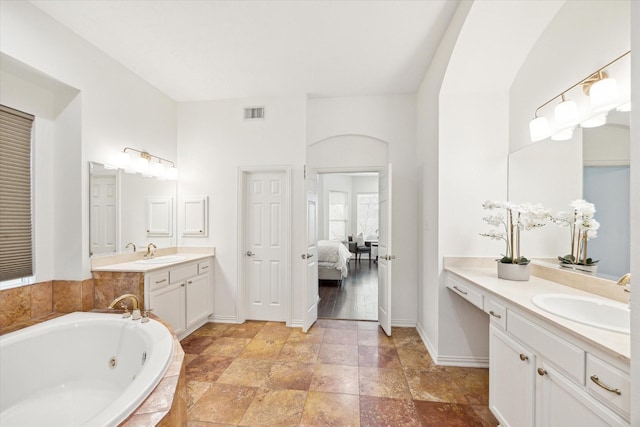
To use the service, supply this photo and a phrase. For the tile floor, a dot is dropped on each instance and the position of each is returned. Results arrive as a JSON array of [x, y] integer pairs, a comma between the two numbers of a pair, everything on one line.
[[342, 373]]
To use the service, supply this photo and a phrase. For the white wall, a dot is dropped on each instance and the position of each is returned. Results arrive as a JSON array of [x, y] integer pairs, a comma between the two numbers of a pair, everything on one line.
[[213, 142], [115, 109], [390, 120], [635, 214]]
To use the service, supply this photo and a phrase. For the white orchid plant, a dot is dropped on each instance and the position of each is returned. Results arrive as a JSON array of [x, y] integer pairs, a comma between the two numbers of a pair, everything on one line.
[[509, 221], [583, 227]]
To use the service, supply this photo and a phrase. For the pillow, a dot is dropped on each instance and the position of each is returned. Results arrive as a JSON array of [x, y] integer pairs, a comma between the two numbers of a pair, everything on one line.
[[359, 240]]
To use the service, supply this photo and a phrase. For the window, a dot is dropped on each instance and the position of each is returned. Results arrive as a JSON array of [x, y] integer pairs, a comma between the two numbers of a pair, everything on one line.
[[16, 239], [337, 215], [367, 213]]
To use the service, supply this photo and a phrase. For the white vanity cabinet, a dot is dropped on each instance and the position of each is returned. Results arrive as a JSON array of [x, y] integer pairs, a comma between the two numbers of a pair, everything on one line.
[[181, 295], [540, 376]]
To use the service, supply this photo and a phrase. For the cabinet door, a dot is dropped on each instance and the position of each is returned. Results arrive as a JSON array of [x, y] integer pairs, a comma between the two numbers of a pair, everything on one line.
[[511, 380], [560, 402], [168, 304], [199, 301]]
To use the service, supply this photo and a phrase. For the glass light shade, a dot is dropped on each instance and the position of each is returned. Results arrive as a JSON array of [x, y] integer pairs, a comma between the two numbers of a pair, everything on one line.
[[566, 114], [626, 107], [158, 170], [595, 121], [172, 173], [123, 160], [563, 135], [142, 165], [539, 129], [604, 94]]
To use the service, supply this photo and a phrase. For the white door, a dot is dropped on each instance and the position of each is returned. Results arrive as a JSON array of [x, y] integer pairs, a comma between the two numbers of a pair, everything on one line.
[[311, 256], [385, 256], [266, 266], [104, 209]]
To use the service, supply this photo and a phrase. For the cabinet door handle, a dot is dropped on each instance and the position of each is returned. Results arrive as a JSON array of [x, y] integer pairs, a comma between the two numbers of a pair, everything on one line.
[[596, 380], [524, 357], [204, 267], [189, 282], [182, 285], [161, 281], [249, 253], [460, 290], [542, 372], [494, 314]]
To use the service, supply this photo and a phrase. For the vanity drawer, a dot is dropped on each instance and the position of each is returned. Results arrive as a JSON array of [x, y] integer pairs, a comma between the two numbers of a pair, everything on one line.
[[459, 287], [559, 352], [183, 272], [158, 280], [601, 375], [204, 267], [497, 311]]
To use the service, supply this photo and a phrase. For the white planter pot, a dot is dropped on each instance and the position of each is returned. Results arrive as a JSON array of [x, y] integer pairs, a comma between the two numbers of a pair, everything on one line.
[[514, 271], [578, 267]]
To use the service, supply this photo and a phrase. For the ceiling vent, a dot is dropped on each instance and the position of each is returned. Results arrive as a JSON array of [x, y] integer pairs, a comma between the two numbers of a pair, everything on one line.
[[253, 113]]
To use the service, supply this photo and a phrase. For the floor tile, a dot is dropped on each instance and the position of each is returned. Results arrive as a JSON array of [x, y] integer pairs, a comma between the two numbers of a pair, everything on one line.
[[436, 386], [374, 338], [299, 352], [438, 414], [313, 335], [248, 329], [275, 408], [212, 329], [383, 382], [340, 336], [485, 415], [207, 367], [195, 390], [473, 382], [384, 411], [246, 372], [337, 324], [262, 349], [338, 354], [196, 344], [335, 379], [416, 358], [331, 409], [380, 357], [226, 346], [274, 332], [222, 403], [368, 326], [292, 376]]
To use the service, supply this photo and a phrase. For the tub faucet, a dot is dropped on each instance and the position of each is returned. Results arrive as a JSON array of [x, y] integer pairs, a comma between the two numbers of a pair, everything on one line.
[[151, 252], [135, 305]]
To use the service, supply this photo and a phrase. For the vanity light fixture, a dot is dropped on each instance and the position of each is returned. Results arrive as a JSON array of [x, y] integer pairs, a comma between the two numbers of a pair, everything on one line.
[[147, 164], [603, 96]]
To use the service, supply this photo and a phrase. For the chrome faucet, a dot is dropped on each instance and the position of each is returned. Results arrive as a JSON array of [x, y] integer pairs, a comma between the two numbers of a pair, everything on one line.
[[624, 281], [132, 245], [135, 305]]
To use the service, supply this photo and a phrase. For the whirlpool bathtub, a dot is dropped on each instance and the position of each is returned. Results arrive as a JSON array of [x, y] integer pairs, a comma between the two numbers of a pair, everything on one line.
[[81, 369]]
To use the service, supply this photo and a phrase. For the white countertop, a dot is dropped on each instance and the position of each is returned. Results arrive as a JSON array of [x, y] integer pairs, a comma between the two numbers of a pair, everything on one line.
[[519, 294], [139, 267]]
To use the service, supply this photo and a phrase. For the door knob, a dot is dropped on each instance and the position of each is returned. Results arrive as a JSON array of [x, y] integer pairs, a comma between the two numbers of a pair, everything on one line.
[[249, 253], [306, 256], [542, 372]]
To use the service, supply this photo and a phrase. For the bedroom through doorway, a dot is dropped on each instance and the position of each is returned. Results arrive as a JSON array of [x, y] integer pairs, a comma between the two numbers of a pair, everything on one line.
[[348, 216]]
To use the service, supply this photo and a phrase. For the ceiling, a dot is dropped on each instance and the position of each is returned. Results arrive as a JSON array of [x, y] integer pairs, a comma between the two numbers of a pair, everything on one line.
[[204, 50]]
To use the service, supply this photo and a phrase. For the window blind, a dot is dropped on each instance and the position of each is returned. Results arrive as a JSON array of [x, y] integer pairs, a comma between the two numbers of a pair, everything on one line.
[[16, 240]]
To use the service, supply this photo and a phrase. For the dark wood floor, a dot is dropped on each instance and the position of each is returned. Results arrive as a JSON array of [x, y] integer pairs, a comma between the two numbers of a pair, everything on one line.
[[356, 299]]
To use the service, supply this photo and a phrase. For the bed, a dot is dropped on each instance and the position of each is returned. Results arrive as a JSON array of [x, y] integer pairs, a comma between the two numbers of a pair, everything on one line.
[[333, 260]]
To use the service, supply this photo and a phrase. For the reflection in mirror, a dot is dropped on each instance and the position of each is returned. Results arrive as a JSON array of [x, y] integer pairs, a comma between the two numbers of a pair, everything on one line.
[[129, 208], [594, 165]]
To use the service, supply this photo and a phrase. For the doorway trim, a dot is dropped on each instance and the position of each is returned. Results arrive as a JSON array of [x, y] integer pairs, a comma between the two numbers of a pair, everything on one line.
[[242, 294]]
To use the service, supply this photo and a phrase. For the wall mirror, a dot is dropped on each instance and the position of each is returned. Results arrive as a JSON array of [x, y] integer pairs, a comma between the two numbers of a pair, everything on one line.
[[594, 165], [129, 208]]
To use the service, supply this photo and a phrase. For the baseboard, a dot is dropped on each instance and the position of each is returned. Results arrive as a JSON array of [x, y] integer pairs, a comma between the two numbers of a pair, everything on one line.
[[222, 319], [463, 361], [403, 323], [295, 324]]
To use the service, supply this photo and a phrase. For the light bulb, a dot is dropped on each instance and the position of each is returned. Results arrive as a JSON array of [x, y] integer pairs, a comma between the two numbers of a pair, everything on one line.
[[142, 165], [603, 94], [158, 170], [566, 114], [124, 160]]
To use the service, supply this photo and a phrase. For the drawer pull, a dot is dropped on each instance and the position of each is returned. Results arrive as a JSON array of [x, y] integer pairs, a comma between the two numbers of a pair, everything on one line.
[[161, 281], [524, 357], [189, 282], [596, 380], [459, 290], [494, 314], [204, 267], [541, 372]]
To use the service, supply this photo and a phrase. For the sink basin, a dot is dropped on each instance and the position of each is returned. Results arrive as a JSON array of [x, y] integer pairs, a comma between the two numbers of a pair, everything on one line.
[[162, 259], [598, 312]]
